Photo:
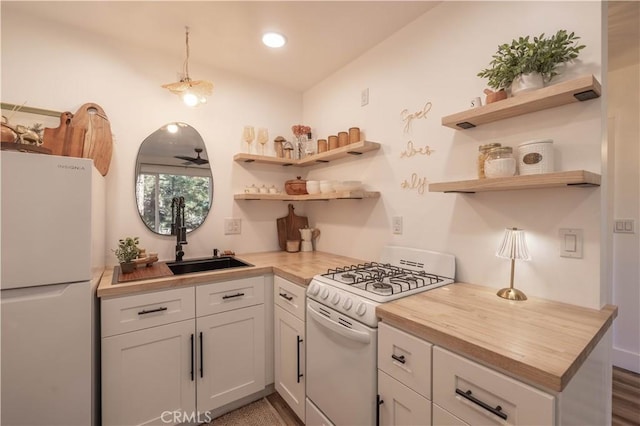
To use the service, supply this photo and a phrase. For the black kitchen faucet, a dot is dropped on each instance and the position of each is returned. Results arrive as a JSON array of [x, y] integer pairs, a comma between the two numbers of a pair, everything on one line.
[[177, 225]]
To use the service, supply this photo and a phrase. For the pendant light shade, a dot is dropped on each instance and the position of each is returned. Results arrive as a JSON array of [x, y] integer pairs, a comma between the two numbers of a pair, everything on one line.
[[192, 92]]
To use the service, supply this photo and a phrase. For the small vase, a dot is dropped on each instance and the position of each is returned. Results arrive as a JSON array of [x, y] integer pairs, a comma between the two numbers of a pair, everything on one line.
[[526, 83], [127, 267]]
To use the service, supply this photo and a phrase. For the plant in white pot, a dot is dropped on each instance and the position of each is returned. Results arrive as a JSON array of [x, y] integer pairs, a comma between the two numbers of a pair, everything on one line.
[[527, 64], [126, 252]]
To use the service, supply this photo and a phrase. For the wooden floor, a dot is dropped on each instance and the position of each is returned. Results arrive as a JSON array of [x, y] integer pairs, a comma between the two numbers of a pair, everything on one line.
[[626, 398], [284, 410]]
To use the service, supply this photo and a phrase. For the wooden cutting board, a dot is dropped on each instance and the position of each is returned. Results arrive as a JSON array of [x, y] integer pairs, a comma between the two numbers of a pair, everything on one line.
[[64, 140], [98, 140], [288, 227]]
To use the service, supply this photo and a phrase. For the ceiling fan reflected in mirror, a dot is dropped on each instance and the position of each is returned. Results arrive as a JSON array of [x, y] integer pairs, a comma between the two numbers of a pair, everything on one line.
[[195, 160]]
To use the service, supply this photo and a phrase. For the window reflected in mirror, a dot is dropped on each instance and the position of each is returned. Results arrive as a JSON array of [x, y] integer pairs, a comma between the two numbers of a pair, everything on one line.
[[173, 162]]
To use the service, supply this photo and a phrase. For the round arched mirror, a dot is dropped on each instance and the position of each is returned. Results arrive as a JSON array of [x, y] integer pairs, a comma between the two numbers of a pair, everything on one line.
[[173, 162]]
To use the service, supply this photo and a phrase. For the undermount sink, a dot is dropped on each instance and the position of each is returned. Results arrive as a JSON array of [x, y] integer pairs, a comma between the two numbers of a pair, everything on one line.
[[208, 264]]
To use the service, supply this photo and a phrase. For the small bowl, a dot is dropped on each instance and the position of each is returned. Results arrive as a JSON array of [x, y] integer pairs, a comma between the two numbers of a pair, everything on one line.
[[313, 187], [348, 185], [326, 187]]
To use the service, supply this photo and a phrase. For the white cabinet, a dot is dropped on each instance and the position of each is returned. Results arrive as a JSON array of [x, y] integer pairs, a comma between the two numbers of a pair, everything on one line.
[[148, 348], [420, 383], [479, 395], [404, 378], [231, 356], [170, 356], [148, 372], [289, 343]]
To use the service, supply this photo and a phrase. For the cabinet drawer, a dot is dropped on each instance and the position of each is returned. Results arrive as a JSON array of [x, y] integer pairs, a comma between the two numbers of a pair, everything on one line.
[[479, 395], [405, 358], [289, 296], [129, 313], [228, 295], [401, 405]]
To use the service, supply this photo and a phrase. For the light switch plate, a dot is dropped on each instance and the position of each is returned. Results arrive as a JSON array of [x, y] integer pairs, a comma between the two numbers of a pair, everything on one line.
[[364, 97], [571, 242], [624, 226], [397, 225]]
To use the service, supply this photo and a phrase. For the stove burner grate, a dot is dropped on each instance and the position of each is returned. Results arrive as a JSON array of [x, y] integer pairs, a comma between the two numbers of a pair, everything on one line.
[[381, 278]]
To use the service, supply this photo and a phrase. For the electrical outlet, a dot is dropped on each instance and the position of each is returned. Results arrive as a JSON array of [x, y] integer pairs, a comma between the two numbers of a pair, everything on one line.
[[364, 97], [232, 226], [397, 225]]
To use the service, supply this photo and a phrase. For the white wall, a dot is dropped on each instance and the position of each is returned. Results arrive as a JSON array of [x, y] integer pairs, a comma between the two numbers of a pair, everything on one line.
[[435, 59], [57, 68], [625, 110]]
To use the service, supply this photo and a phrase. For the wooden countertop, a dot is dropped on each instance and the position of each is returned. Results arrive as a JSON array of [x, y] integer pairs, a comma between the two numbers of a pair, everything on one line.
[[299, 268], [540, 341]]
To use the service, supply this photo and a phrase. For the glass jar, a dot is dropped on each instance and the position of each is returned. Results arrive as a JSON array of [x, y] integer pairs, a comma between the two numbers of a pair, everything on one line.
[[482, 156], [500, 162]]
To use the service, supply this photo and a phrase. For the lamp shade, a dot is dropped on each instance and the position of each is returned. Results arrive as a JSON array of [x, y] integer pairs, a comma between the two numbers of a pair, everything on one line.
[[514, 245]]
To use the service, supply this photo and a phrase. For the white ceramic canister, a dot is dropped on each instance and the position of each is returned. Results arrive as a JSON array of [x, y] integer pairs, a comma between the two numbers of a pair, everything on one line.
[[535, 157]]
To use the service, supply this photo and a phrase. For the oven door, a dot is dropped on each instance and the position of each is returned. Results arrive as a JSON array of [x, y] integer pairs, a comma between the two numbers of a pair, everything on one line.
[[341, 366]]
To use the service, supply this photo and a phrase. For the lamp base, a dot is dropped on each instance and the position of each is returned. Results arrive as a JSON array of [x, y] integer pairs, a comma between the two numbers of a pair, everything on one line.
[[511, 294]]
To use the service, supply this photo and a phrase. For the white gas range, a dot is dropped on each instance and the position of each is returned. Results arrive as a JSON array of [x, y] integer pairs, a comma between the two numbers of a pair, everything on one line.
[[342, 329]]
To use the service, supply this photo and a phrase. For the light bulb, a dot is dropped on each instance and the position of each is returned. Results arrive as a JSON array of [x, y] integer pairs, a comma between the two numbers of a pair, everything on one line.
[[172, 128], [190, 99], [274, 40]]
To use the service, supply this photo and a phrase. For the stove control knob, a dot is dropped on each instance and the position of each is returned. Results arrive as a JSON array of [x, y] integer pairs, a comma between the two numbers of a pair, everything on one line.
[[361, 309], [314, 289], [348, 303], [325, 293], [335, 299]]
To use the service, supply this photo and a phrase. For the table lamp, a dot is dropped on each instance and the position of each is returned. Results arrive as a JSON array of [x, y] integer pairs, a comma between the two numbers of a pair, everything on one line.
[[513, 247]]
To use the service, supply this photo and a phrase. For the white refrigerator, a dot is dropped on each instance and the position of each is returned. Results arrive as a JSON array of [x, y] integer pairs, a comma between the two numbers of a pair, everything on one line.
[[47, 297]]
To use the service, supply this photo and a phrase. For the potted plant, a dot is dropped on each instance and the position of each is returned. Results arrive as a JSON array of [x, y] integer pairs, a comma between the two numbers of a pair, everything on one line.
[[527, 64], [126, 252]]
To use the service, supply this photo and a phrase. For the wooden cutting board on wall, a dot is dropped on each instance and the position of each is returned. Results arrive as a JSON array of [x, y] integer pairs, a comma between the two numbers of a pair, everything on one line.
[[98, 140], [289, 226]]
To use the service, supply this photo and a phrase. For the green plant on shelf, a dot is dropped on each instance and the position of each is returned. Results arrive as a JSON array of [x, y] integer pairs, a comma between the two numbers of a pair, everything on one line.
[[525, 55]]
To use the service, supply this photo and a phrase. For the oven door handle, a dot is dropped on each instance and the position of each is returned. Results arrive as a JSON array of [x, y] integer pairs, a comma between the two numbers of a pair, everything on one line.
[[358, 336]]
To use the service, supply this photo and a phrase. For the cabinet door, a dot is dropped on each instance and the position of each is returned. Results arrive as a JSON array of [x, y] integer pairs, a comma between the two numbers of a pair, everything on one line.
[[146, 375], [231, 352], [289, 360], [400, 405]]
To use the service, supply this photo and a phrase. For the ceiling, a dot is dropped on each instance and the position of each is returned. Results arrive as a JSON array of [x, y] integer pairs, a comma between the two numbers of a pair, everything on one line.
[[323, 36]]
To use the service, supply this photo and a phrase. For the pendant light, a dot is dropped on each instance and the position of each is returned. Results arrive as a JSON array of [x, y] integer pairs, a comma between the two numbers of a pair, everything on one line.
[[192, 92]]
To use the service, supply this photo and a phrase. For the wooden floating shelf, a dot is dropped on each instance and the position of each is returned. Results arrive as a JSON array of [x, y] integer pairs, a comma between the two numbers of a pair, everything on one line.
[[345, 195], [580, 178], [577, 90], [355, 148]]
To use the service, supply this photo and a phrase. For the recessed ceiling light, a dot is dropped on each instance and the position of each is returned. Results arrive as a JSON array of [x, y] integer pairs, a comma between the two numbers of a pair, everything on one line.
[[274, 39]]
